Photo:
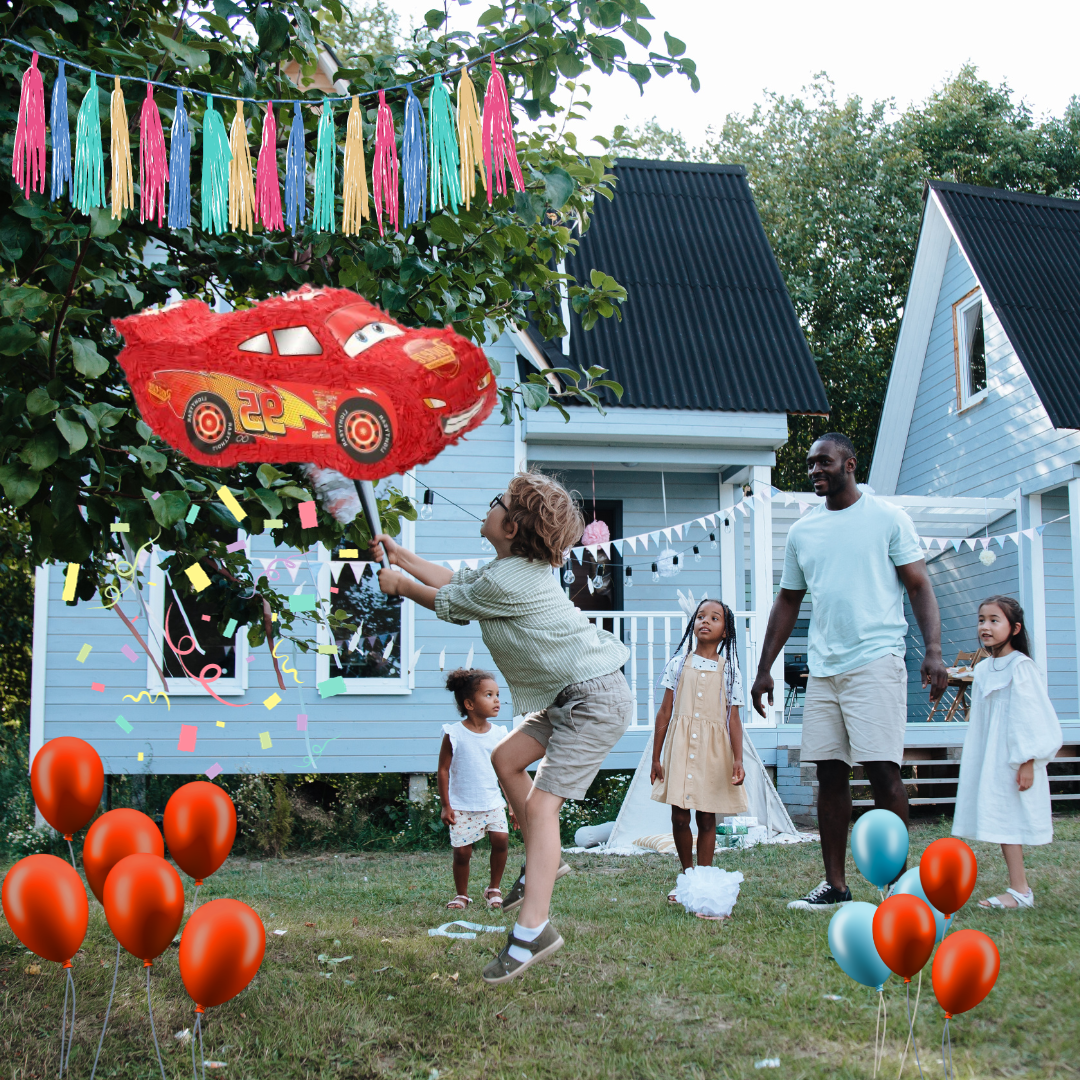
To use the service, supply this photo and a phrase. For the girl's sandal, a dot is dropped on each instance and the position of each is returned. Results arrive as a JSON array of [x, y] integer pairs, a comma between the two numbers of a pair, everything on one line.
[[1023, 900], [459, 903], [493, 897]]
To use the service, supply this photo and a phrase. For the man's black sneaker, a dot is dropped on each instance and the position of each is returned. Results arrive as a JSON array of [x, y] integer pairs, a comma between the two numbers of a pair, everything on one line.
[[823, 898]]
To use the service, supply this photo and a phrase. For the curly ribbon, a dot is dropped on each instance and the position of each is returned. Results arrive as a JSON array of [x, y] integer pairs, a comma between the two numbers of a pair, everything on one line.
[[111, 592], [151, 696], [205, 680], [284, 664], [146, 649]]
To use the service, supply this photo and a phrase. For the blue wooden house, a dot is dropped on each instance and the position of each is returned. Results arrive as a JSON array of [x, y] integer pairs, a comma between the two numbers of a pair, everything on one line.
[[713, 360]]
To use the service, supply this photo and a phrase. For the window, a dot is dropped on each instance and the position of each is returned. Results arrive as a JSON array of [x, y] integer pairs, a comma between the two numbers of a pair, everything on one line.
[[260, 343], [970, 349], [297, 341]]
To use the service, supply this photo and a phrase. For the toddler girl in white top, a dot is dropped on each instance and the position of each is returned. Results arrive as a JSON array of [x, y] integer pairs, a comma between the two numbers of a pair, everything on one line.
[[1004, 795], [472, 801]]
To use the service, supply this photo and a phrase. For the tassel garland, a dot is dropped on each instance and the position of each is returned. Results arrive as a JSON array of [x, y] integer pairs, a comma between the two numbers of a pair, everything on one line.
[[414, 160], [61, 137], [123, 188], [443, 149], [267, 186], [354, 189], [153, 168], [215, 170], [88, 184], [241, 188], [295, 174], [28, 161], [500, 150], [384, 167], [470, 137], [180, 167], [322, 215]]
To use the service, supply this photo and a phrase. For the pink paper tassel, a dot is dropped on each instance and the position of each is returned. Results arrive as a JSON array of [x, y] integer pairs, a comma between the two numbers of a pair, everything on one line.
[[153, 161], [267, 185], [28, 163], [500, 149], [384, 166]]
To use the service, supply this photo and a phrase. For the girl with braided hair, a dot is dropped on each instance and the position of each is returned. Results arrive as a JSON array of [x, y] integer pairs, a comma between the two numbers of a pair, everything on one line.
[[698, 743]]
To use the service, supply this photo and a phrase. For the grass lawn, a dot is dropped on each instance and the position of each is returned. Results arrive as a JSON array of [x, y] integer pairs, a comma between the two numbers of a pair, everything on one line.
[[639, 990]]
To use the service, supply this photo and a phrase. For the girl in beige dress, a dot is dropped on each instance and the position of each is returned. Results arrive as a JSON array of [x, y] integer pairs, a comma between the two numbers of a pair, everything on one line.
[[698, 742]]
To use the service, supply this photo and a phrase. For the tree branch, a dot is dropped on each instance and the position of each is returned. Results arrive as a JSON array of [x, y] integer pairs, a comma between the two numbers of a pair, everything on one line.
[[63, 309]]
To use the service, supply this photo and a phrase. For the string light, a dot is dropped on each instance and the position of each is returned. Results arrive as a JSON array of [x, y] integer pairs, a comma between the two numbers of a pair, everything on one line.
[[697, 553], [427, 508], [712, 539], [655, 572], [629, 581], [568, 573]]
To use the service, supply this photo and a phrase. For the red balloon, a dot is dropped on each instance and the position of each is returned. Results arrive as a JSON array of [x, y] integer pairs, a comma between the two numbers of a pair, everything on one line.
[[904, 934], [965, 970], [200, 826], [948, 871], [144, 904], [113, 837], [220, 951], [67, 779], [45, 905]]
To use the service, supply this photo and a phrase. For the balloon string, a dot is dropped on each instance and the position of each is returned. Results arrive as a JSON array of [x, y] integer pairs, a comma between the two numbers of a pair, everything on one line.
[[194, 1070], [116, 968], [949, 1038], [63, 1028], [72, 851], [202, 1053], [883, 1027], [150, 1009], [195, 900], [71, 1030], [911, 1041]]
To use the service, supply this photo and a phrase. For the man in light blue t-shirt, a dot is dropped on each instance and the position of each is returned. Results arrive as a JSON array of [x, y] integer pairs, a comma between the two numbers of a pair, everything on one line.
[[855, 556]]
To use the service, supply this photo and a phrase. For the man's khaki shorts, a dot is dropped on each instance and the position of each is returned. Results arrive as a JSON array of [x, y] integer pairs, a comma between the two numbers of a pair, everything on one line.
[[578, 732], [858, 715]]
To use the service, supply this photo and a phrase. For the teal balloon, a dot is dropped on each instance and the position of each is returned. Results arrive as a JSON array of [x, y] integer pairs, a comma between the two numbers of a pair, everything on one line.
[[851, 940], [879, 845], [909, 883]]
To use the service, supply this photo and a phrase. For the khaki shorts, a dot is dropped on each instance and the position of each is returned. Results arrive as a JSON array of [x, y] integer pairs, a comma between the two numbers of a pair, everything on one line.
[[858, 715], [578, 732]]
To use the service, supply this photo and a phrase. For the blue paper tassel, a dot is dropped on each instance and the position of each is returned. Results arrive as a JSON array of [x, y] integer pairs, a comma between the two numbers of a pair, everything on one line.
[[295, 174], [180, 167], [61, 137], [414, 160]]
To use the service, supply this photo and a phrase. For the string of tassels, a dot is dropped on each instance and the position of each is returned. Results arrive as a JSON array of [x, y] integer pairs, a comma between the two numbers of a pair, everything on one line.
[[153, 167], [88, 183], [123, 188], [443, 149], [61, 137], [215, 170], [180, 167], [414, 160], [500, 150], [241, 188], [384, 167], [470, 136], [295, 179], [322, 214], [28, 162], [267, 186], [354, 188]]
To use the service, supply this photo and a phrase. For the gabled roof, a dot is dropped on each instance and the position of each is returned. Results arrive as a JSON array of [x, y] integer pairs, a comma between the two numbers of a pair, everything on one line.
[[708, 323], [1025, 252]]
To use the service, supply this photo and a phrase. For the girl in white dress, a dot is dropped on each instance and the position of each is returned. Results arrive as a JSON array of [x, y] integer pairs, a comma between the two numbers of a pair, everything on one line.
[[1004, 795]]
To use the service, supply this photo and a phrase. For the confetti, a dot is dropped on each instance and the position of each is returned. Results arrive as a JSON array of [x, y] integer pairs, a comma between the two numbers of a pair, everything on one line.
[[327, 650], [249, 659], [280, 932], [71, 579], [229, 499], [332, 687], [197, 576], [140, 755], [264, 740], [206, 618], [274, 523], [221, 723], [192, 514], [303, 602], [155, 496], [188, 732], [124, 725], [99, 687], [767, 1063], [230, 628], [214, 770], [119, 527], [333, 588], [272, 700], [238, 546], [309, 516], [301, 721], [130, 653], [84, 652], [348, 553]]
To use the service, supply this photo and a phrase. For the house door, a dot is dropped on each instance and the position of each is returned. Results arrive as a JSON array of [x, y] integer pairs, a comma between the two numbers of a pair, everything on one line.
[[598, 581]]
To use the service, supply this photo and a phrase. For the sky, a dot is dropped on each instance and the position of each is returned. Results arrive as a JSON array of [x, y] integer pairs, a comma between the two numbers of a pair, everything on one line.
[[871, 50]]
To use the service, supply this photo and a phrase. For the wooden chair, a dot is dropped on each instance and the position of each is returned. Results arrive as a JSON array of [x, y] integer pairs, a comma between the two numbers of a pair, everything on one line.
[[959, 685]]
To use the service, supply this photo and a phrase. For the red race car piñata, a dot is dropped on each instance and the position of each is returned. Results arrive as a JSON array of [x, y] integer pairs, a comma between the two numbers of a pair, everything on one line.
[[317, 375]]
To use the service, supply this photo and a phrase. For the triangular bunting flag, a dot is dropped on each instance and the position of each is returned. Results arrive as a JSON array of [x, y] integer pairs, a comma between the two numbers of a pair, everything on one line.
[[631, 542], [472, 564], [1041, 528], [577, 553], [667, 535], [970, 543], [677, 530], [1030, 534], [1015, 538], [335, 571], [956, 544], [618, 545], [454, 564], [1000, 541], [357, 571], [655, 538]]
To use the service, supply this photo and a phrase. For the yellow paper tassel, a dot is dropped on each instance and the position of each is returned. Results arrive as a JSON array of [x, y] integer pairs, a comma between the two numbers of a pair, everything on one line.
[[470, 137], [123, 190], [241, 185], [354, 190]]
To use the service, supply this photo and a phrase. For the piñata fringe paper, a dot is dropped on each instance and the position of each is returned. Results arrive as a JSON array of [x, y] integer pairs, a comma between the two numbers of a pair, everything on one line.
[[384, 167], [295, 174], [500, 150], [215, 170], [88, 183], [28, 161], [123, 187], [180, 167], [61, 137], [267, 185], [470, 136], [443, 148], [322, 214], [241, 187], [354, 187], [414, 160], [153, 166]]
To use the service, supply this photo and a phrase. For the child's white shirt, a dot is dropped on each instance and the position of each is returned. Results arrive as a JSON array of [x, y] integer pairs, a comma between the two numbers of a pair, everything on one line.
[[473, 783], [670, 678]]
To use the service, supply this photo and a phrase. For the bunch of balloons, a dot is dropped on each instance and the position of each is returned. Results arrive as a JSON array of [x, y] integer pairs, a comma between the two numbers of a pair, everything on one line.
[[45, 902]]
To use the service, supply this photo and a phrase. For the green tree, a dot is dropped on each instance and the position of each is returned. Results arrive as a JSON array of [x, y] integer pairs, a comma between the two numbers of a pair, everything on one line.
[[364, 29]]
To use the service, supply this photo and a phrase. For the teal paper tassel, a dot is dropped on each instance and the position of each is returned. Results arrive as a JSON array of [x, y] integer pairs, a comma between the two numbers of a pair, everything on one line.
[[215, 170], [443, 148], [88, 183], [322, 215]]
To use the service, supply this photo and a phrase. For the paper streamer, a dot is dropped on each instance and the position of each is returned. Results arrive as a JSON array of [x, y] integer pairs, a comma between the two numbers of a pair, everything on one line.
[[241, 187], [88, 183], [443, 149], [500, 149], [215, 170], [414, 159], [267, 185], [354, 188], [444, 930], [384, 168], [470, 136], [180, 167], [123, 188], [59, 128], [322, 214], [295, 174], [153, 166], [28, 161]]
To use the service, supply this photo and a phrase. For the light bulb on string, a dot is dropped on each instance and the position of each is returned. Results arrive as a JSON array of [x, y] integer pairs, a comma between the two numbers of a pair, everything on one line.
[[568, 573], [427, 508], [598, 579], [485, 545], [655, 572], [712, 539], [697, 553], [628, 583]]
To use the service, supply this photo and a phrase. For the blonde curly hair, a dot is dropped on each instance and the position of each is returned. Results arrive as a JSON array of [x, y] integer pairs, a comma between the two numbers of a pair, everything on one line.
[[548, 519]]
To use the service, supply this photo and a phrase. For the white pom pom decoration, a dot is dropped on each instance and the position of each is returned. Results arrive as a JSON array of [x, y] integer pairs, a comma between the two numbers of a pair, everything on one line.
[[708, 890], [987, 557]]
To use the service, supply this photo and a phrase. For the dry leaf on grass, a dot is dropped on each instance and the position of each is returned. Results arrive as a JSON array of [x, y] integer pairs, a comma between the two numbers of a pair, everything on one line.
[[309, 924], [32, 969], [454, 977]]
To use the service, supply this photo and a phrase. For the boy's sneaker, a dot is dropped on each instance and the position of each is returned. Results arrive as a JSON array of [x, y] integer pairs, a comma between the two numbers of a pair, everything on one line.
[[822, 898], [513, 899], [504, 967]]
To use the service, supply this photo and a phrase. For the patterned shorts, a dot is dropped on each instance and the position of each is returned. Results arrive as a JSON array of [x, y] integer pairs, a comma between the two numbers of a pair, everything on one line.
[[471, 825]]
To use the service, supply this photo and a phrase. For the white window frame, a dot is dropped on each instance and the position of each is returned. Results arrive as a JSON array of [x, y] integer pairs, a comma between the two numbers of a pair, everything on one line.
[[182, 685], [964, 319], [324, 669]]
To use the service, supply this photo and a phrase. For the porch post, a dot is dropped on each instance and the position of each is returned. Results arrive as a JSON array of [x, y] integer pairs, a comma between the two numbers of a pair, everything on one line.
[[762, 581], [727, 546], [1074, 537], [37, 670], [1038, 584]]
